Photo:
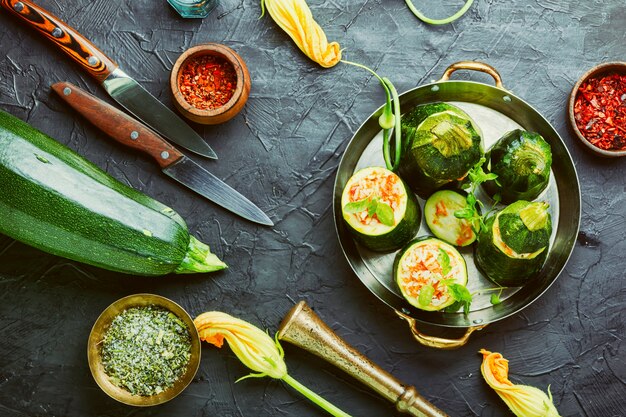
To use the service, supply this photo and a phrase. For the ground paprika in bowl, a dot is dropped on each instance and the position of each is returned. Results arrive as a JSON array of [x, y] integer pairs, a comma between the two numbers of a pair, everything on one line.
[[597, 109], [210, 83]]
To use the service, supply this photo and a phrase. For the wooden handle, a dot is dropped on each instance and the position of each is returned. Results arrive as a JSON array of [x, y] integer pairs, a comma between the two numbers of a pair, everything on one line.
[[97, 64], [303, 328], [117, 124]]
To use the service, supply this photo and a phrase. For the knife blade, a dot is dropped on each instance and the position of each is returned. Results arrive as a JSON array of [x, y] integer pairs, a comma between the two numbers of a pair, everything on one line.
[[130, 132], [125, 90]]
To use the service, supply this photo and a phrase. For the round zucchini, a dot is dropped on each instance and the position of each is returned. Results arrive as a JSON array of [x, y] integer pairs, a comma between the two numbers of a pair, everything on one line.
[[439, 213], [379, 209], [522, 161], [442, 144], [514, 245], [424, 271]]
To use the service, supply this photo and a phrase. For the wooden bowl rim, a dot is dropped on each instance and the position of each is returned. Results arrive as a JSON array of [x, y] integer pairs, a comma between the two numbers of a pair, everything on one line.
[[209, 49], [94, 356], [606, 67]]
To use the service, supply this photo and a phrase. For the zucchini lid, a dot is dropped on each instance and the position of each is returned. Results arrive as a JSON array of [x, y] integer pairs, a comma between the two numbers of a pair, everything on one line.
[[523, 227], [442, 139], [522, 161], [427, 262]]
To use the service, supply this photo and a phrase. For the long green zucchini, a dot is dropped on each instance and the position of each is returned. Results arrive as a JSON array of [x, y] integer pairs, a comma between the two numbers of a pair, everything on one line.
[[55, 200]]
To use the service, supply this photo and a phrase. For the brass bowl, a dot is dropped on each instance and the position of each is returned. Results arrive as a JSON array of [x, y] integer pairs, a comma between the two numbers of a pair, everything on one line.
[[95, 359], [231, 108], [606, 68]]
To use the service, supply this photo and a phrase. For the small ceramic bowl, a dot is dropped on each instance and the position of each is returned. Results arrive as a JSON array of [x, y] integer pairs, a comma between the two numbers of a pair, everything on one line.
[[236, 102], [95, 358], [599, 70]]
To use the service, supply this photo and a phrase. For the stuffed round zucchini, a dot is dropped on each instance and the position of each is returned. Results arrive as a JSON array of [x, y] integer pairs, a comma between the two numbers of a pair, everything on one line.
[[514, 245], [439, 213], [522, 161], [426, 270], [379, 209], [442, 144]]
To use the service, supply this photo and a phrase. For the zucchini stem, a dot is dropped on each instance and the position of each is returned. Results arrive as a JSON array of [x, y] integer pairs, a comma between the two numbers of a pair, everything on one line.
[[315, 398], [388, 119], [199, 259], [447, 20]]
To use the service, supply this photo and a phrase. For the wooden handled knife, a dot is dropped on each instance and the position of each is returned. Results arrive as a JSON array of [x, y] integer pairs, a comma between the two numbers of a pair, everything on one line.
[[173, 163], [125, 90]]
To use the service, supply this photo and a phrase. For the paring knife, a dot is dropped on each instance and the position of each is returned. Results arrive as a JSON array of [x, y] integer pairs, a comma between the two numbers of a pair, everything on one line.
[[116, 82], [133, 133]]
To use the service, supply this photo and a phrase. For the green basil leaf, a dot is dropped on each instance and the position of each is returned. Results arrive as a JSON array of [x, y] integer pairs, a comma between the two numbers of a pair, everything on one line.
[[356, 206], [371, 207], [460, 293], [444, 261], [385, 214], [426, 295]]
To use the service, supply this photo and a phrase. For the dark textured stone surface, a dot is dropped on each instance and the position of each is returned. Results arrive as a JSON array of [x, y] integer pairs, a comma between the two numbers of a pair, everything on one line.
[[283, 151]]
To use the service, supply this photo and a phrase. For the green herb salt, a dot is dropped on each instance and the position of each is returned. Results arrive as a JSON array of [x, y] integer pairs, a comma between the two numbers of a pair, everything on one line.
[[146, 349]]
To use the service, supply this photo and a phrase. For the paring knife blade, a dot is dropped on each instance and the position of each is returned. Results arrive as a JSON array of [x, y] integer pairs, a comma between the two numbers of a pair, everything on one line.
[[133, 133], [116, 82]]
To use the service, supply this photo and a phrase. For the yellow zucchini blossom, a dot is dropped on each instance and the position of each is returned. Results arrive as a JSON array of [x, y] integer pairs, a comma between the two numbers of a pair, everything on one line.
[[523, 400], [295, 18], [255, 349]]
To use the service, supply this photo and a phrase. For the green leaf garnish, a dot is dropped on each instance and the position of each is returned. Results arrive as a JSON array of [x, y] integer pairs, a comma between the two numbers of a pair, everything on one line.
[[374, 206], [495, 299], [426, 295], [471, 212], [356, 206], [461, 294], [371, 207], [385, 214], [444, 261], [465, 213]]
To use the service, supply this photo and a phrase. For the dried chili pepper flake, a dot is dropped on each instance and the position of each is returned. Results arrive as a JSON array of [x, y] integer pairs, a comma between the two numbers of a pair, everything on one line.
[[600, 111], [207, 82]]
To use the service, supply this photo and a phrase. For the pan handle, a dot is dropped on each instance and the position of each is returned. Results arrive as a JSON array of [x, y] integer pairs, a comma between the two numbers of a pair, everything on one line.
[[473, 66], [438, 342]]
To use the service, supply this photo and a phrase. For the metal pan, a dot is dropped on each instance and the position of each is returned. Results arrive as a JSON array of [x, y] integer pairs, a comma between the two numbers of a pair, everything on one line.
[[496, 111]]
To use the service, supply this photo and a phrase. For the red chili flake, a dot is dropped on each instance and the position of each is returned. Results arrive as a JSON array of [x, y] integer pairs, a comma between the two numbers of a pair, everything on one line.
[[600, 111], [207, 82]]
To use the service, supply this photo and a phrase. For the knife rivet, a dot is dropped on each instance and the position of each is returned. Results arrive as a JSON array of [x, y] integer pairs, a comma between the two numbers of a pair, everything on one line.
[[507, 99], [57, 32], [134, 135], [18, 7], [165, 154], [67, 91], [92, 61]]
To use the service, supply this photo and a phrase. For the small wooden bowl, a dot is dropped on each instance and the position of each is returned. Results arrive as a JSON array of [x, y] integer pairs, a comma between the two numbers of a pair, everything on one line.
[[236, 102], [599, 70], [95, 358]]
